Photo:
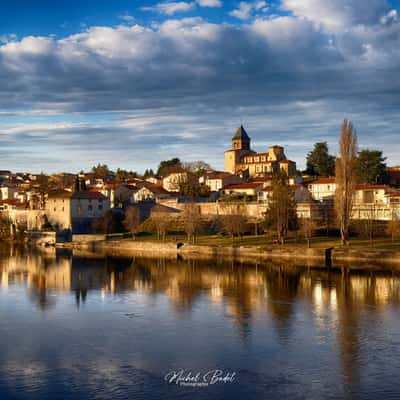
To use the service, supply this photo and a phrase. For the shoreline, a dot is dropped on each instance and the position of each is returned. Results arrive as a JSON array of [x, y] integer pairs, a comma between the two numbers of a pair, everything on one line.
[[310, 257]]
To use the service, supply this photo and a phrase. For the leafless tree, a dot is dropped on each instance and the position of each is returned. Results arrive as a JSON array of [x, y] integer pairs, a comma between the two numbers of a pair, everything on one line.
[[132, 220], [368, 225], [307, 229], [192, 220], [346, 178], [161, 223], [393, 226], [233, 220]]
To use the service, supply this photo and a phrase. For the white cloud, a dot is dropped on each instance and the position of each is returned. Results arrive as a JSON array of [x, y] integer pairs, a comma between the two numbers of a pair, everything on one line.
[[338, 15], [262, 68], [246, 9], [391, 16], [127, 18], [171, 8], [209, 3]]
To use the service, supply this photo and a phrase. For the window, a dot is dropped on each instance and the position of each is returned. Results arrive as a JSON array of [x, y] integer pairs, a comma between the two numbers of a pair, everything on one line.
[[90, 207], [100, 207]]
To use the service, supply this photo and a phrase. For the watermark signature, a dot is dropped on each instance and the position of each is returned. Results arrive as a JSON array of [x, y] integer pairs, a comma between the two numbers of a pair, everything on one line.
[[200, 379]]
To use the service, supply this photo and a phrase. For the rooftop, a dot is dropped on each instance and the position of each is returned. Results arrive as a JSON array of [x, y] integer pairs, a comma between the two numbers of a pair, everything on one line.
[[241, 134]]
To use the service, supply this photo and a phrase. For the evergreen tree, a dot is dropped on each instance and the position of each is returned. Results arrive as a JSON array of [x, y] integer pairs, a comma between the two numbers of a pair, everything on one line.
[[319, 161], [169, 166], [371, 166]]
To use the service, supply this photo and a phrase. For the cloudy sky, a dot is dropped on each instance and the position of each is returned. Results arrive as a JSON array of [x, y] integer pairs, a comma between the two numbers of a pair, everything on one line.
[[129, 82]]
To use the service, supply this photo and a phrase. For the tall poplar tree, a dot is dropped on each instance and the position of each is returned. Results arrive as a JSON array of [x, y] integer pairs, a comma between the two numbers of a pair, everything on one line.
[[346, 178]]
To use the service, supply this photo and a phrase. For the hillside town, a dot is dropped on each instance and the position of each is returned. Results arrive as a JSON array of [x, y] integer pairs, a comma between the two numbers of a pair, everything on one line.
[[103, 201]]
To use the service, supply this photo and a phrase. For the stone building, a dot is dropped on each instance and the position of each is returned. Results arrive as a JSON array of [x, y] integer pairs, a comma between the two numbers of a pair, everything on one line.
[[240, 158], [76, 211]]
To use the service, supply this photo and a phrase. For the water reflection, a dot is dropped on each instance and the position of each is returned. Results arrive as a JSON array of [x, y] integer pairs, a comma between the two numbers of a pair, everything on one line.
[[338, 306]]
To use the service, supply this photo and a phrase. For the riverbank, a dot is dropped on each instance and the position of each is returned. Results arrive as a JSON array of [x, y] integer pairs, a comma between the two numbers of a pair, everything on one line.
[[321, 256]]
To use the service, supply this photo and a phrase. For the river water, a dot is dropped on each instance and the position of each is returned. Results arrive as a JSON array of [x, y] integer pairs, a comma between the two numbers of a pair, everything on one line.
[[75, 327]]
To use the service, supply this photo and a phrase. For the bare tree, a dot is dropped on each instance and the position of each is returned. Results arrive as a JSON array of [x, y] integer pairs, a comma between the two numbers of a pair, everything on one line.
[[346, 178], [368, 224], [132, 220], [192, 220], [393, 226], [161, 223], [233, 220], [307, 229]]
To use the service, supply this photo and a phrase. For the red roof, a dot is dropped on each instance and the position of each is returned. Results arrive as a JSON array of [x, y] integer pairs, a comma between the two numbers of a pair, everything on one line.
[[393, 194], [248, 185], [217, 175], [322, 181], [261, 179], [155, 189], [88, 195], [293, 187], [366, 186], [10, 201]]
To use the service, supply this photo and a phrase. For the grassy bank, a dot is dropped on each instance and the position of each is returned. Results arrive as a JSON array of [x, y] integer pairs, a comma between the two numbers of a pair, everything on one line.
[[268, 240]]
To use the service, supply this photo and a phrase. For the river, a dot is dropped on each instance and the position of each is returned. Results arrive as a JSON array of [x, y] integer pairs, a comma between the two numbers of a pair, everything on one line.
[[86, 327]]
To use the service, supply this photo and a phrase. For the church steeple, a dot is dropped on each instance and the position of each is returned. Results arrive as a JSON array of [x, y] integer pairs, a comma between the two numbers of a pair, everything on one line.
[[241, 140]]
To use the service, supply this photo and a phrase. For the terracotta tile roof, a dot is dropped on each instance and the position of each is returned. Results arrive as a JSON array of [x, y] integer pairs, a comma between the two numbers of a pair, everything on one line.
[[156, 189], [88, 195], [293, 187], [61, 194], [217, 175], [247, 185], [322, 181], [262, 179], [10, 201], [393, 194], [366, 186]]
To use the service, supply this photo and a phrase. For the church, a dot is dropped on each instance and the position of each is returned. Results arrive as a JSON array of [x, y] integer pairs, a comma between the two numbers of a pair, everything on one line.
[[240, 159]]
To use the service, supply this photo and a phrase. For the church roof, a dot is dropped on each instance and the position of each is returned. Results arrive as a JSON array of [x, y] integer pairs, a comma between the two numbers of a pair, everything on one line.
[[241, 134]]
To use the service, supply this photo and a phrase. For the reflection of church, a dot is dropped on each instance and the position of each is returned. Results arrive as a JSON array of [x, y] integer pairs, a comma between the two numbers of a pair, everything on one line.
[[241, 159]]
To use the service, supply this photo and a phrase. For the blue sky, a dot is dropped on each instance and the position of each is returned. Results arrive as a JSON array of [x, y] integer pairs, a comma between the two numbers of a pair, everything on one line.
[[130, 83]]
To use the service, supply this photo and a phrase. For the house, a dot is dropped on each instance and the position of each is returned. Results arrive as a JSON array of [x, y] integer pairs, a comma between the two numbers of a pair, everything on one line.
[[244, 189], [76, 211], [241, 158], [151, 192], [301, 194], [118, 194], [322, 189], [216, 180], [174, 181], [371, 194], [7, 192], [11, 204]]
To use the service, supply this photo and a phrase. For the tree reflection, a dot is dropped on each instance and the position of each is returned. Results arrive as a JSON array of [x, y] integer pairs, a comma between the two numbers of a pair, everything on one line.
[[336, 301]]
